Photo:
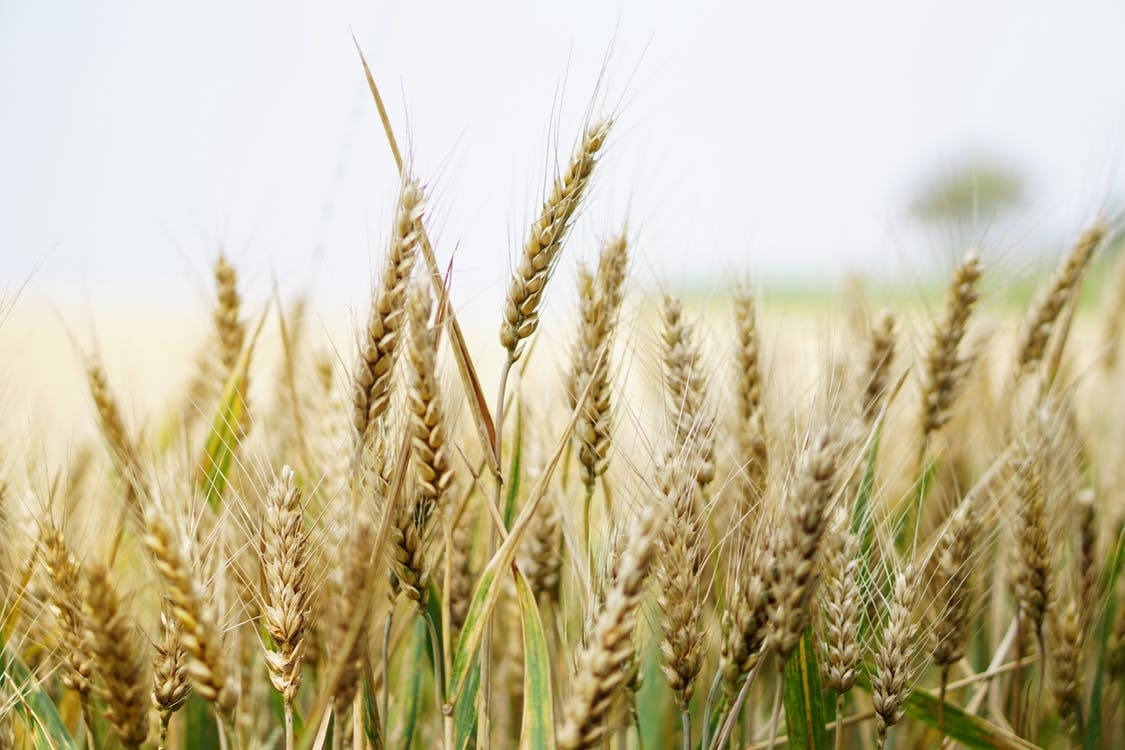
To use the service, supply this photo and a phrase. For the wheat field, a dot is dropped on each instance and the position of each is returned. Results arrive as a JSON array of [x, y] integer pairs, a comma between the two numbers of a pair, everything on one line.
[[657, 522]]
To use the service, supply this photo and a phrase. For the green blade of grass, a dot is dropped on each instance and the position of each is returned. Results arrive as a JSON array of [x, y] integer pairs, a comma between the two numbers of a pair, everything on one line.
[[412, 694], [465, 714], [514, 470], [1092, 738], [226, 428], [971, 731], [200, 727], [537, 727], [804, 701], [33, 705], [862, 520]]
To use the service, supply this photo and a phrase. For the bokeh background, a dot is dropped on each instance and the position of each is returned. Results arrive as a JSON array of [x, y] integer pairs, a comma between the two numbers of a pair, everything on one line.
[[794, 138]]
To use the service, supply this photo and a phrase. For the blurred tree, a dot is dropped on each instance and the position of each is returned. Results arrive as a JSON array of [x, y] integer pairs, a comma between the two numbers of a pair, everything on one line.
[[976, 189]]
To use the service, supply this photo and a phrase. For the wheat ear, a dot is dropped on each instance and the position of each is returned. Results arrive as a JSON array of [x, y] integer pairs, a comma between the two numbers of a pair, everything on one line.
[[743, 623], [543, 558], [679, 575], [795, 547], [1032, 574], [880, 357], [600, 673], [461, 574], [1114, 310], [686, 383], [1089, 570], [170, 686], [1045, 312], [66, 603], [540, 253], [753, 450], [287, 607], [839, 604], [894, 659], [119, 659], [230, 329], [1066, 664], [373, 370], [951, 584], [411, 526], [199, 633], [352, 591], [122, 450], [599, 302], [946, 366], [428, 442]]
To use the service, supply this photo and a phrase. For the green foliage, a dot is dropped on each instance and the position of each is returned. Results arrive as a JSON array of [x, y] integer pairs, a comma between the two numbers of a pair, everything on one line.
[[805, 717]]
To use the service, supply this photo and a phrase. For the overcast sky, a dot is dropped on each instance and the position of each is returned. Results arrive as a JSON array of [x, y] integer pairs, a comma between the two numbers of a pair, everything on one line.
[[780, 138]]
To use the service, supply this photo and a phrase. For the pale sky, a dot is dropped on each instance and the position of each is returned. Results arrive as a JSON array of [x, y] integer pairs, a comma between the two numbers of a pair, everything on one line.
[[778, 138]]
